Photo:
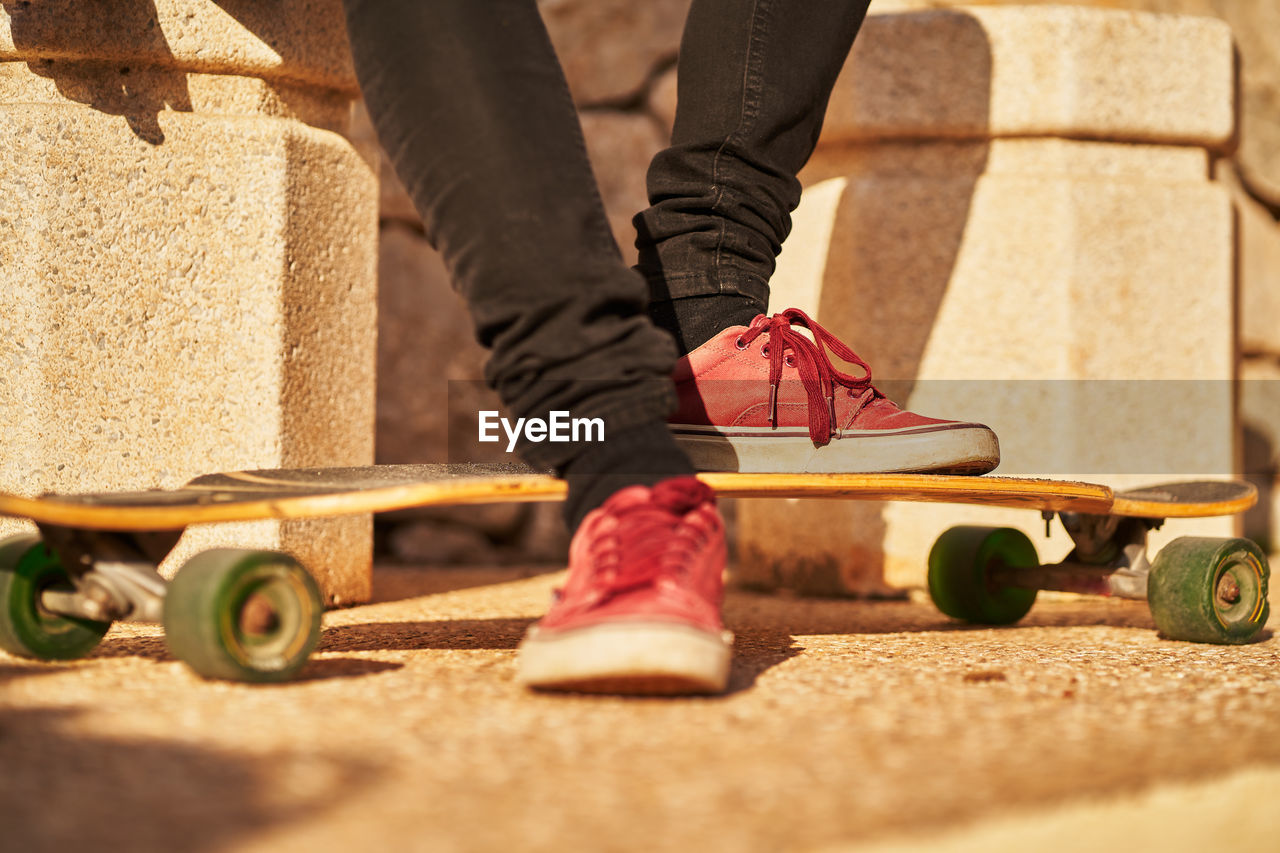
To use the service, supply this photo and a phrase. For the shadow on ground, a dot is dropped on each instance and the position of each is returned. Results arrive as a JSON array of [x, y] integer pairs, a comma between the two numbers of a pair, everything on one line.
[[765, 627], [409, 636], [64, 788], [318, 669]]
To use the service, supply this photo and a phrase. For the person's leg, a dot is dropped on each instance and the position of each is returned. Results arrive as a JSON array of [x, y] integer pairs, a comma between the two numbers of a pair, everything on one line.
[[754, 80], [754, 393], [470, 104]]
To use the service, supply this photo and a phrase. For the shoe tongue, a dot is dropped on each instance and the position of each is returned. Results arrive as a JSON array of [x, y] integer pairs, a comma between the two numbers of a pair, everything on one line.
[[675, 495], [681, 494]]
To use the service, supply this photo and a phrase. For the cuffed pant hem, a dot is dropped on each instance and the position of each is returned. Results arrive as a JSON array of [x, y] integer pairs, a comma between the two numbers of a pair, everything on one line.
[[666, 287]]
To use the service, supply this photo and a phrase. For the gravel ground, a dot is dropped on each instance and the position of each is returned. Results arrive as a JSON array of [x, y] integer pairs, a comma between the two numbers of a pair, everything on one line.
[[848, 724]]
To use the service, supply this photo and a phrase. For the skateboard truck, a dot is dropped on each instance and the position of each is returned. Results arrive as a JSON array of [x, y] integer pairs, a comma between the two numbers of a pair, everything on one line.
[[1109, 558], [113, 574], [1198, 588], [229, 613]]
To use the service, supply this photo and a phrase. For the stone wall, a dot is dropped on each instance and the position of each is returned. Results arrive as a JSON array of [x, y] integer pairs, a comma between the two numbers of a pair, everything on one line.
[[1251, 172], [1011, 218]]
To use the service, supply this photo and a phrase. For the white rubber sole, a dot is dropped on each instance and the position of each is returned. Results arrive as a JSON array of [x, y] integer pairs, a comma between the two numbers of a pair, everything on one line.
[[637, 658], [960, 448]]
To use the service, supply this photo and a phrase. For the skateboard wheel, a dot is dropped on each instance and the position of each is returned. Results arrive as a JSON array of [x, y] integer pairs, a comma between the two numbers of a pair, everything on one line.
[[243, 615], [27, 568], [1209, 590], [959, 583]]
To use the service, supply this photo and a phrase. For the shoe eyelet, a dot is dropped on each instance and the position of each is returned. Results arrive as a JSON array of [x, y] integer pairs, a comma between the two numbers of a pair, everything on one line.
[[740, 343], [789, 361], [764, 351]]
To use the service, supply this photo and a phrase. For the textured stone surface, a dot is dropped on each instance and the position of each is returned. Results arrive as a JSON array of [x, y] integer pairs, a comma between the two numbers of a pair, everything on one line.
[[1260, 419], [1190, 816], [1259, 242], [610, 48], [1025, 284], [662, 100], [620, 146], [1255, 25], [186, 267], [1257, 28], [1059, 71], [846, 724], [301, 40], [138, 95]]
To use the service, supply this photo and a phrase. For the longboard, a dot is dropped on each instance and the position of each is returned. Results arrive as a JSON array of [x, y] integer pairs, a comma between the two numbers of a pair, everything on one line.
[[255, 615], [319, 492]]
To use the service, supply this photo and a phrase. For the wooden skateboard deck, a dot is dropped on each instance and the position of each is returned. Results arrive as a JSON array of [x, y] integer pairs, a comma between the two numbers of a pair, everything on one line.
[[319, 492]]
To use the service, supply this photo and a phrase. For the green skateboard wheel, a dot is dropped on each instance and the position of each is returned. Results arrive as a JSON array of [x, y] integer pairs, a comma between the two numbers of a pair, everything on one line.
[[28, 568], [1209, 590], [243, 615], [959, 581]]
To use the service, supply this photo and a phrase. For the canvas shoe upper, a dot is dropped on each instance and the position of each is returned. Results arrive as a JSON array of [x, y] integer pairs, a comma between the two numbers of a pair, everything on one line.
[[767, 397], [640, 609]]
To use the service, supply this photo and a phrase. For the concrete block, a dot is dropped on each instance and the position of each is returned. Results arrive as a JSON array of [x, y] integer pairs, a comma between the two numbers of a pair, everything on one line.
[[1255, 25], [187, 266], [304, 41], [1076, 296], [1254, 169], [980, 72]]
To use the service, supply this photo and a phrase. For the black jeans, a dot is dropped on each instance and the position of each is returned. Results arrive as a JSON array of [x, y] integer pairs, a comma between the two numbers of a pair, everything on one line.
[[470, 104]]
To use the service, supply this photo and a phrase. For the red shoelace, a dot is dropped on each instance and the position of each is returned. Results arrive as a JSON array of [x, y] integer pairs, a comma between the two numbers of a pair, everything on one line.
[[651, 540], [810, 358]]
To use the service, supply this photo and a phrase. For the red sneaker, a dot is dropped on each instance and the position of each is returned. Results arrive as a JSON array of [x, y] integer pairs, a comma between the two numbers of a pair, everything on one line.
[[766, 397], [640, 611]]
